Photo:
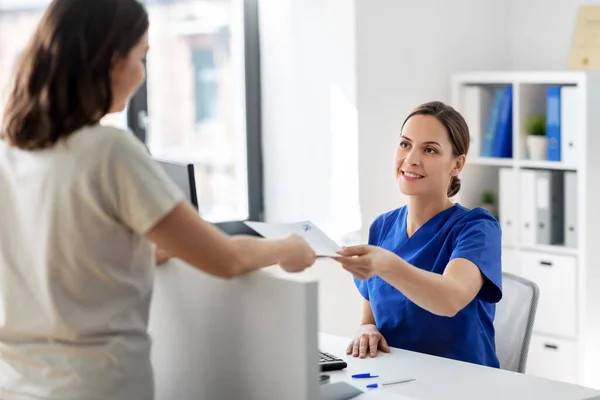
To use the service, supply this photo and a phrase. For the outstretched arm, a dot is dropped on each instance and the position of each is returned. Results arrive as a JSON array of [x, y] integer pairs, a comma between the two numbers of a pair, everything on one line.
[[184, 234], [443, 295]]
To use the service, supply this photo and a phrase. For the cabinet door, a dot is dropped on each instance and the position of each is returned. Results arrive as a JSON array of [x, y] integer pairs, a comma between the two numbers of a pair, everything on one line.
[[556, 277], [510, 262], [552, 358]]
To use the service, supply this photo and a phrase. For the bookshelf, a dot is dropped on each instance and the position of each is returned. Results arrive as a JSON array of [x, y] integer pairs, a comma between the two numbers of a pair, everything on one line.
[[565, 344], [531, 164]]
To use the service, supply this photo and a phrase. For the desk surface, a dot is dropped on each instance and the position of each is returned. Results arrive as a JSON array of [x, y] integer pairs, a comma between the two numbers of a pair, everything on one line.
[[441, 378]]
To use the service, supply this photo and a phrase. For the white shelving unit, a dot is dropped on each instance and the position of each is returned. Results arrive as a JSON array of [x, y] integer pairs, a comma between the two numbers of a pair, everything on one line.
[[566, 339]]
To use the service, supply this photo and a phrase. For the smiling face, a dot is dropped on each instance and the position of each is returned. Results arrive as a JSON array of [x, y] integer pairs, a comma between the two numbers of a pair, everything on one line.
[[426, 157]]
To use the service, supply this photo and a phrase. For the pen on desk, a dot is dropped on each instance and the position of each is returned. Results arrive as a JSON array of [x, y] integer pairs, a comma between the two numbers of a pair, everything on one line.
[[375, 385], [365, 375]]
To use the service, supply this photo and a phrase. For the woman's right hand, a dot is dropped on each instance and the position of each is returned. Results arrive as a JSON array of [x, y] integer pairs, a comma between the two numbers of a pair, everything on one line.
[[368, 339], [298, 254]]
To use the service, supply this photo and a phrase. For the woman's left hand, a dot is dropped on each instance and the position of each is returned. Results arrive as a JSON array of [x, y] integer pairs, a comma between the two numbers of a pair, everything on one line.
[[366, 261]]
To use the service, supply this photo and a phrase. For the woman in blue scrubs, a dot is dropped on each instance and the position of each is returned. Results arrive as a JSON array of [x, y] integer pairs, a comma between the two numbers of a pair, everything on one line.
[[431, 273]]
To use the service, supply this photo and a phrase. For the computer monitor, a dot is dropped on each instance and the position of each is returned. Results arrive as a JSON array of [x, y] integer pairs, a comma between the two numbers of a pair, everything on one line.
[[183, 176]]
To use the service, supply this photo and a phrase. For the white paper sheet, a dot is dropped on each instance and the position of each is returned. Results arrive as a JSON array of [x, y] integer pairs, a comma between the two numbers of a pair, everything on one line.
[[322, 244]]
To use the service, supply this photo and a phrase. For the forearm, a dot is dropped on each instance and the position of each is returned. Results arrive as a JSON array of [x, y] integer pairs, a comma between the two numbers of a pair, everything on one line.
[[252, 253], [186, 236], [436, 293], [367, 314]]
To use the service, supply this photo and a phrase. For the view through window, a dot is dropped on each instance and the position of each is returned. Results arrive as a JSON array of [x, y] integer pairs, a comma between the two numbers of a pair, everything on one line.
[[194, 103]]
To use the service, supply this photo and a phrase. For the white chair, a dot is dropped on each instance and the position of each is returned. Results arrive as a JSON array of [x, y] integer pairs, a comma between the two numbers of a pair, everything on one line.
[[515, 315]]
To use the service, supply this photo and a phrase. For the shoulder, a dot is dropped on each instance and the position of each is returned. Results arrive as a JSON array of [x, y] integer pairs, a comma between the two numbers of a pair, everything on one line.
[[105, 136], [475, 220], [106, 140], [475, 216]]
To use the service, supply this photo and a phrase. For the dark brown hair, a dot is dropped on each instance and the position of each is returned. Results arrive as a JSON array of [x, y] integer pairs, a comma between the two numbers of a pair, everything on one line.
[[63, 79], [457, 128]]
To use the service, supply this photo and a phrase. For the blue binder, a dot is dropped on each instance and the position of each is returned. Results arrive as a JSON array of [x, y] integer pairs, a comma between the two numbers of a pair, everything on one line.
[[490, 135], [503, 142], [553, 122]]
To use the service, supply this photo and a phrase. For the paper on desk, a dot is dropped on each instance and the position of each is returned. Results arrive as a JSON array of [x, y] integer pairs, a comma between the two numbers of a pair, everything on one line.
[[322, 244]]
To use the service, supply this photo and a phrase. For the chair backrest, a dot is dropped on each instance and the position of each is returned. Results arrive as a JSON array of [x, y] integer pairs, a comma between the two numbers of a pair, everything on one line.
[[515, 315]]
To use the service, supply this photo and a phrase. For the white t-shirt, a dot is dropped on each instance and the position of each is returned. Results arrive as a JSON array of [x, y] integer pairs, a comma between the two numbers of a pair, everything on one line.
[[76, 271]]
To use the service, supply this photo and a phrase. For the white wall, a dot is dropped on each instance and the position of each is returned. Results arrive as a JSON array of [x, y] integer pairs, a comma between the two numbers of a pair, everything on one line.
[[310, 135], [405, 55], [23, 4], [309, 113], [400, 54], [541, 32]]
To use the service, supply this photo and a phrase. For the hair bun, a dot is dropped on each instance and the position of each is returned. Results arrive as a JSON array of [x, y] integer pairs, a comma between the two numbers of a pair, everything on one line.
[[454, 186]]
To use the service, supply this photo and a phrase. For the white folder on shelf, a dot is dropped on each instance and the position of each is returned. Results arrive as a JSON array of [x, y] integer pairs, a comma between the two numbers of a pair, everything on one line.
[[527, 207], [508, 205], [571, 126], [570, 209], [550, 205], [476, 108]]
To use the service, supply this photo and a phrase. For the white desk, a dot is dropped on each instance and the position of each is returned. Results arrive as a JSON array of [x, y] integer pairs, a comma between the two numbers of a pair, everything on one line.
[[441, 378]]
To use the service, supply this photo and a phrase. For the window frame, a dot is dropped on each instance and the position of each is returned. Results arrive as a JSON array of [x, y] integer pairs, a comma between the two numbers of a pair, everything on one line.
[[137, 114]]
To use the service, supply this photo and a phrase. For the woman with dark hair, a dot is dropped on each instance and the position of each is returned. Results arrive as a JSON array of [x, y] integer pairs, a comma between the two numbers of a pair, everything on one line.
[[431, 274], [82, 206]]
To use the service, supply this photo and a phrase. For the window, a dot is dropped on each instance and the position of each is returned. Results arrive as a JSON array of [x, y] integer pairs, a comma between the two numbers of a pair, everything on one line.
[[18, 20], [200, 102], [207, 85]]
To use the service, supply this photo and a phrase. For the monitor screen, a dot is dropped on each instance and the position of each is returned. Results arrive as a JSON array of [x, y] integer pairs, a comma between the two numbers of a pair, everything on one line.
[[183, 176]]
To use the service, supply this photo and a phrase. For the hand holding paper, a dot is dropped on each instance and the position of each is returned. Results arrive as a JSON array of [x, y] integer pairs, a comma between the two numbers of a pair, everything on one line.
[[322, 244]]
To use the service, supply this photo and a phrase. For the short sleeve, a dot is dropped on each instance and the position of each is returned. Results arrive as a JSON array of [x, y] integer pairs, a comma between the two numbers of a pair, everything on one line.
[[374, 232], [480, 241], [138, 190]]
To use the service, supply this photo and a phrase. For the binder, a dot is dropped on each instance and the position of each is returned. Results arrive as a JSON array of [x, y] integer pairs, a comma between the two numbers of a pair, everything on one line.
[[571, 123], [570, 212], [492, 123], [476, 108], [553, 123], [503, 141], [508, 205], [528, 207], [549, 196]]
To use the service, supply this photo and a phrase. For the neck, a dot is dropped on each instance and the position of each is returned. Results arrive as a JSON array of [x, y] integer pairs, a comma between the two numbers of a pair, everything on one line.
[[422, 209]]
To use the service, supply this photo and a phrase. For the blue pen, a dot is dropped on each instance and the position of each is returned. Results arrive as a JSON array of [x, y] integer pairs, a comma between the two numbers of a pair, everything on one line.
[[376, 385], [365, 375]]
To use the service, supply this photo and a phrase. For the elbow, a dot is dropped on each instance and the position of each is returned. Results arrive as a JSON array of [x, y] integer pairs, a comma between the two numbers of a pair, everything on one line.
[[449, 312], [227, 266], [454, 307], [451, 307], [226, 272], [234, 266]]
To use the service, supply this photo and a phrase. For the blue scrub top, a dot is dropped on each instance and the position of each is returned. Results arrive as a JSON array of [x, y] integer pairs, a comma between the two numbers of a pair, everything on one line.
[[456, 232]]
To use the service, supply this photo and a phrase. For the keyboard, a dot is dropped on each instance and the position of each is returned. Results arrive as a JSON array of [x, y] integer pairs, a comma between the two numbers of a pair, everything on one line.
[[329, 362]]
